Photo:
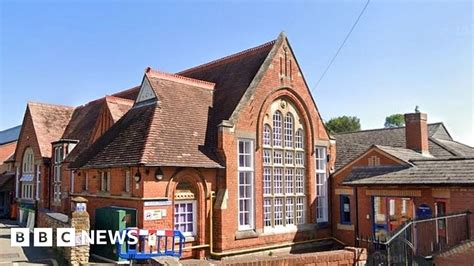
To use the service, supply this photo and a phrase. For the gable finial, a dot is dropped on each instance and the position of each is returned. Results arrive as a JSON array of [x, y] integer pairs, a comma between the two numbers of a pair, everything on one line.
[[417, 109]]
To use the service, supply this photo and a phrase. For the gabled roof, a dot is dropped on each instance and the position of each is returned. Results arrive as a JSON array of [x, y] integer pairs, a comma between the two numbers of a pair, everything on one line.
[[118, 106], [350, 145], [169, 131], [10, 134], [424, 172], [406, 155], [49, 122], [6, 151], [232, 75]]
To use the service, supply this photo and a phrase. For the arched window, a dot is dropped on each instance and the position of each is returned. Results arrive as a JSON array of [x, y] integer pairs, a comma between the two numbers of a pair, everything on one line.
[[28, 168], [283, 169], [288, 130], [185, 211], [277, 128], [28, 161]]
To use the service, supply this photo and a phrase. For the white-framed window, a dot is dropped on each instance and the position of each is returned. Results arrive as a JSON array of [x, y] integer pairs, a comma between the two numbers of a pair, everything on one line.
[[283, 174], [28, 163], [391, 204], [246, 187], [86, 181], [28, 171], [267, 157], [299, 142], [58, 158], [288, 130], [27, 190], [127, 181], [277, 119], [185, 217], [267, 135], [321, 185], [105, 181]]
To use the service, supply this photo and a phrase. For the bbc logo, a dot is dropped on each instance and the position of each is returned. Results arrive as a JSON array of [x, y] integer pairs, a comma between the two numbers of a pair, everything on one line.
[[42, 237]]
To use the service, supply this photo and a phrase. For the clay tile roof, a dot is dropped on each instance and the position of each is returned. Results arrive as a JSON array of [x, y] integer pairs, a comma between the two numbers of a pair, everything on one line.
[[118, 106], [439, 171], [168, 132], [350, 145], [49, 122], [6, 151], [130, 94], [232, 76]]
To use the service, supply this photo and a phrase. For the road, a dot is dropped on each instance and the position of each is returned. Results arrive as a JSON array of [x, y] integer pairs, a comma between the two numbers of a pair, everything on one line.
[[23, 255]]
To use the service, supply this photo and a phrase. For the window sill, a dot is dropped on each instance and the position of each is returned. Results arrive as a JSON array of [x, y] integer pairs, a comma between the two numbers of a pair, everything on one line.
[[288, 229], [244, 234]]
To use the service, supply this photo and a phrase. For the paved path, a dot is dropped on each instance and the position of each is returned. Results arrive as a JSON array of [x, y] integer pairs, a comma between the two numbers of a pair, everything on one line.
[[23, 255]]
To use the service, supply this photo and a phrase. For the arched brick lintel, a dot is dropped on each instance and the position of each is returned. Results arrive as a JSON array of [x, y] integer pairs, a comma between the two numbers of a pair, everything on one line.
[[191, 175]]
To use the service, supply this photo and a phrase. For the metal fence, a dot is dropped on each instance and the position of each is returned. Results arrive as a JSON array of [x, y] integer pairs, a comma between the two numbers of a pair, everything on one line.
[[416, 240]]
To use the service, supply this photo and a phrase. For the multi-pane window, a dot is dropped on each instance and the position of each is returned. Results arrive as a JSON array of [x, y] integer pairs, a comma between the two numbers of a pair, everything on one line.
[[185, 217], [289, 130], [277, 128], [267, 135], [28, 165], [321, 185], [299, 139], [246, 188], [58, 158], [283, 173]]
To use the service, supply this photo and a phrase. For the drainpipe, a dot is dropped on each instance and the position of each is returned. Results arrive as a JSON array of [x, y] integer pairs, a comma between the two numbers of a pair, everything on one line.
[[357, 217]]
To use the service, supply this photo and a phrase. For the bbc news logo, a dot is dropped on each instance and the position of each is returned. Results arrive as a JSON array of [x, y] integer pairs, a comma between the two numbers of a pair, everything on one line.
[[68, 237]]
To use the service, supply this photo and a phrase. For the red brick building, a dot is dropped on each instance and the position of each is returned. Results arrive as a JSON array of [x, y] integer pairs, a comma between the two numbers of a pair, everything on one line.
[[236, 145], [386, 177]]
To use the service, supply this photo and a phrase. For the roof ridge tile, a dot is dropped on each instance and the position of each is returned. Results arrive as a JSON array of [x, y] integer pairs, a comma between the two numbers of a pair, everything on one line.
[[226, 59], [181, 79]]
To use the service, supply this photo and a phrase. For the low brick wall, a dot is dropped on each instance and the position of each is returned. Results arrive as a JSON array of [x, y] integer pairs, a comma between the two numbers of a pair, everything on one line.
[[347, 256], [53, 220]]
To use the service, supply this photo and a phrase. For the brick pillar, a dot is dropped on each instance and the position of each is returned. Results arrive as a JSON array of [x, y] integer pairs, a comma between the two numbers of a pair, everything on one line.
[[79, 255], [416, 132]]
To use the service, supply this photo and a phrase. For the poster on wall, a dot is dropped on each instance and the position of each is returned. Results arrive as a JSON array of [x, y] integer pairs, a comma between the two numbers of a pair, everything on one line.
[[150, 215]]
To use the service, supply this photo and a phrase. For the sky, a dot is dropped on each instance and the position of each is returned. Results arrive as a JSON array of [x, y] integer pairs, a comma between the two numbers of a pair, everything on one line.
[[400, 55]]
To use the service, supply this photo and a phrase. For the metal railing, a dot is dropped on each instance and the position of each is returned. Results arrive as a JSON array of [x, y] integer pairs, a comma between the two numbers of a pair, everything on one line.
[[151, 243], [419, 239]]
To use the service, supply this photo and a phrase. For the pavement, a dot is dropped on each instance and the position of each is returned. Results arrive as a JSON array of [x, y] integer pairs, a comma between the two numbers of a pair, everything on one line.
[[24, 255]]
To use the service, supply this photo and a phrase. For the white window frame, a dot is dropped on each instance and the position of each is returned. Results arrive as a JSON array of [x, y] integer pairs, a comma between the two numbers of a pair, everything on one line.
[[247, 169], [58, 158], [27, 190], [322, 197], [105, 181], [127, 181], [284, 189], [194, 222]]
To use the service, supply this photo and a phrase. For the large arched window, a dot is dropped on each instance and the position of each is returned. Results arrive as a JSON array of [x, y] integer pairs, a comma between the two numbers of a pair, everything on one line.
[[283, 168], [28, 168], [28, 161]]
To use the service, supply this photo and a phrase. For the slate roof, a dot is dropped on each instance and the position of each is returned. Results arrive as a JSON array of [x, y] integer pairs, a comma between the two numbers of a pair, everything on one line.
[[403, 154], [49, 122], [424, 172], [350, 145], [10, 134], [167, 132]]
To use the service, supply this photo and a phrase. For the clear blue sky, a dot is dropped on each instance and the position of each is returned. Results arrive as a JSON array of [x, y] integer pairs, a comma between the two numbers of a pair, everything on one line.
[[402, 53]]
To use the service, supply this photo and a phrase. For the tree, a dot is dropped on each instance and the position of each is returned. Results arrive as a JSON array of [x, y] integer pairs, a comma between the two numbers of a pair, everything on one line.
[[395, 120], [343, 124]]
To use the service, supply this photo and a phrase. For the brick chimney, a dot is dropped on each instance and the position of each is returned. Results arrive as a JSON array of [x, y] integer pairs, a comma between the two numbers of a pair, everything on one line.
[[416, 132]]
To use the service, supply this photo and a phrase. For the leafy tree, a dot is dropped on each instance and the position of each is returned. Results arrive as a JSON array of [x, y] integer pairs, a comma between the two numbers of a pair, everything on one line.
[[395, 120], [343, 124]]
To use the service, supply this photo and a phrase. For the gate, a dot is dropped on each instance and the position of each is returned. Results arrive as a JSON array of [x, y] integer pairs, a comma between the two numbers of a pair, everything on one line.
[[417, 240]]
